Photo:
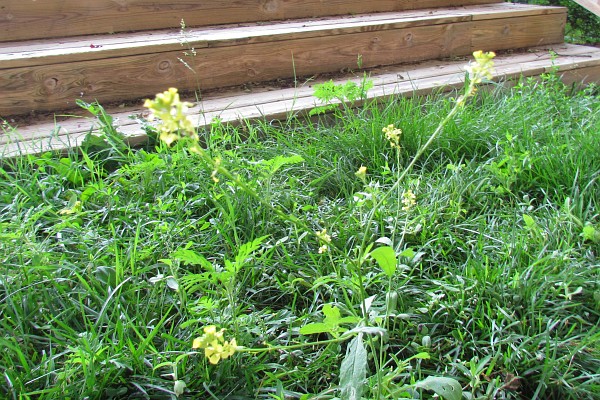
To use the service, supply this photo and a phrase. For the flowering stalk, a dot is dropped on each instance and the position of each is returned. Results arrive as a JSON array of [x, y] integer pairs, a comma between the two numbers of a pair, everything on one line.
[[216, 348], [480, 69]]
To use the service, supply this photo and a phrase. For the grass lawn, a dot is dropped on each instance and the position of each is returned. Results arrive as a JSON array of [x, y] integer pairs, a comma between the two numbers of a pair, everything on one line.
[[474, 274]]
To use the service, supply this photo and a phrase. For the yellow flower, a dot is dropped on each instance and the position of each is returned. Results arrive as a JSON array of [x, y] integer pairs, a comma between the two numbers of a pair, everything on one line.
[[408, 199], [361, 173], [171, 111], [214, 352], [216, 348], [483, 67], [323, 249], [392, 134], [323, 236]]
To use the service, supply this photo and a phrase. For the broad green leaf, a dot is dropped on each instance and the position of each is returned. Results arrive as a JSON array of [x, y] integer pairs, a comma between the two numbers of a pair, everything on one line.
[[315, 327], [529, 222], [353, 370], [386, 258], [331, 323], [448, 388], [590, 233], [408, 253], [332, 314]]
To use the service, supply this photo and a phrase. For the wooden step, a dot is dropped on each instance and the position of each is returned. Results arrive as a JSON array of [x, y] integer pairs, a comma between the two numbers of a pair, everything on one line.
[[574, 64], [48, 75], [24, 20]]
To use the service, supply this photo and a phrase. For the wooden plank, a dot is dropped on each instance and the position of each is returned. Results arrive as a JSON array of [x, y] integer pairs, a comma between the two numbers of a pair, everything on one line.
[[577, 63], [514, 33], [56, 86], [50, 51], [22, 20], [591, 5]]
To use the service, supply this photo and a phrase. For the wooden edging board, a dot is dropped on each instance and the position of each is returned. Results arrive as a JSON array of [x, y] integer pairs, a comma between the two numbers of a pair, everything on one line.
[[27, 19], [574, 63], [46, 77]]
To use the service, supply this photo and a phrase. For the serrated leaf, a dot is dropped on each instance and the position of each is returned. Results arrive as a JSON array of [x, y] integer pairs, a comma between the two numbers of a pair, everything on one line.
[[386, 258], [274, 164], [190, 257], [353, 370], [448, 388], [247, 249]]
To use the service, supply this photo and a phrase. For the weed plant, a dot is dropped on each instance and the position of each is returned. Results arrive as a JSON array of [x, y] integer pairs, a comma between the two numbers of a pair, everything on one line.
[[334, 269]]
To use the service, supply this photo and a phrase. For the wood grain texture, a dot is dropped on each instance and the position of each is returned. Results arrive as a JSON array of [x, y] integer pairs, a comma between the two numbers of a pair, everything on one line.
[[575, 64], [30, 19], [56, 86], [515, 33], [50, 78]]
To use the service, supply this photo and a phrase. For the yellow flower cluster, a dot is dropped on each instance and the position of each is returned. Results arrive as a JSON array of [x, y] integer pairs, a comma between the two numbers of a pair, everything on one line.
[[216, 348], [324, 238], [408, 199], [171, 111], [483, 67], [362, 173], [392, 134]]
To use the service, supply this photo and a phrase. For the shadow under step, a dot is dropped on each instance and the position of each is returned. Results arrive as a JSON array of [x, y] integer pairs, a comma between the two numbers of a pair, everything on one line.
[[575, 64], [48, 75]]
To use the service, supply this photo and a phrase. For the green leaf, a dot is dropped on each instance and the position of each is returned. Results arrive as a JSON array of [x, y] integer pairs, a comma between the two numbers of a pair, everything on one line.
[[332, 314], [331, 323], [315, 327], [448, 388], [530, 222], [247, 249], [190, 257], [386, 258], [590, 233], [353, 370], [274, 164]]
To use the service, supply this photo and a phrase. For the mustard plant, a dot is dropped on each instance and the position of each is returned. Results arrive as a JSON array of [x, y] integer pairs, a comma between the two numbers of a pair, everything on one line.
[[174, 125]]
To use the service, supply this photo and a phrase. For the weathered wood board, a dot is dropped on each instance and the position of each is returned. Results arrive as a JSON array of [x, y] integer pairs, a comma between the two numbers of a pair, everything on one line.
[[591, 5], [574, 63], [32, 19], [47, 77]]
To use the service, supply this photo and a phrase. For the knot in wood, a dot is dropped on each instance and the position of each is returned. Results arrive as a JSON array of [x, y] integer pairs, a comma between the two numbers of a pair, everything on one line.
[[270, 5], [51, 83], [164, 66]]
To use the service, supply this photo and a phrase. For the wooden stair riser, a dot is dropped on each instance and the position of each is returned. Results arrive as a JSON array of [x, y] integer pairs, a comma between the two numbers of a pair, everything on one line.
[[22, 20], [574, 63], [56, 86]]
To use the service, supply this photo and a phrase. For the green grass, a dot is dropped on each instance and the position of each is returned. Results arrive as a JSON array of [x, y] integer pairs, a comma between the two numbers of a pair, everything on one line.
[[114, 259]]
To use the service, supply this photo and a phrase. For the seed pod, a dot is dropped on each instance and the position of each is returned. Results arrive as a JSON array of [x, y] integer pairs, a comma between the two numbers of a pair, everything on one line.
[[391, 301], [426, 341]]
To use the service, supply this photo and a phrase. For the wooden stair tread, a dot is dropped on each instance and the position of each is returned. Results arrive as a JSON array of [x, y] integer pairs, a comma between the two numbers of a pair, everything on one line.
[[49, 51], [44, 76], [575, 63], [21, 20]]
